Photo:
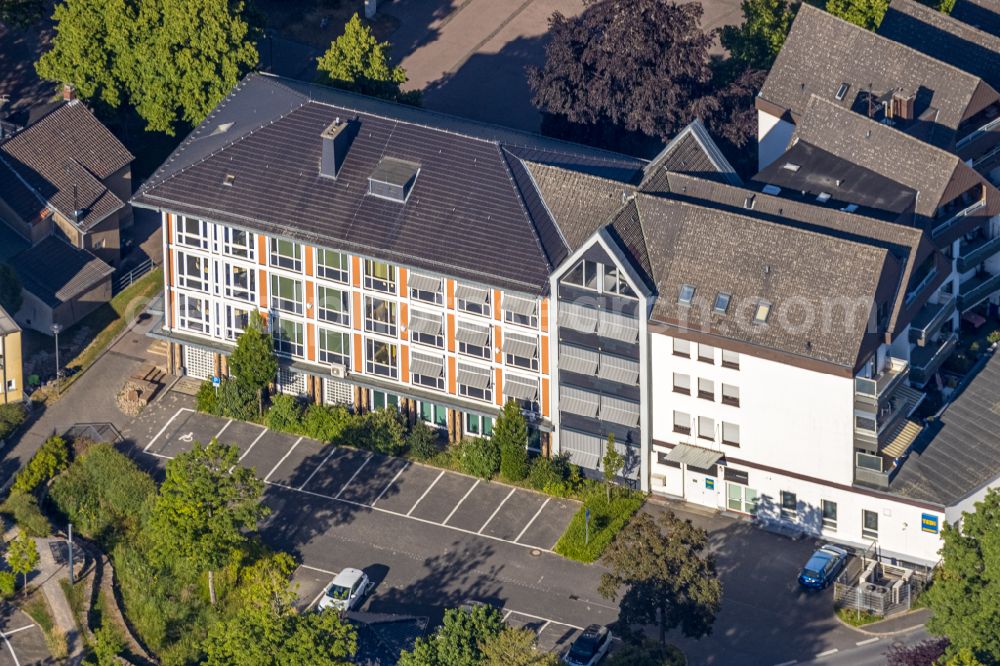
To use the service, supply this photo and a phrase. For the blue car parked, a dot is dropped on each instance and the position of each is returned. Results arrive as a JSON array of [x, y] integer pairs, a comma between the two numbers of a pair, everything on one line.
[[823, 567]]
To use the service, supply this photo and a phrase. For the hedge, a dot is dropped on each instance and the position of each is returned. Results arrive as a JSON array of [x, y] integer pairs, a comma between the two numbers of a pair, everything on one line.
[[607, 518]]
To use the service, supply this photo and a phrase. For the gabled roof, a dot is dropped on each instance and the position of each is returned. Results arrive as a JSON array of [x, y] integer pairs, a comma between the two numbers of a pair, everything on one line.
[[960, 453], [55, 271], [469, 215], [944, 38], [823, 52], [981, 14], [693, 152], [7, 323], [62, 160]]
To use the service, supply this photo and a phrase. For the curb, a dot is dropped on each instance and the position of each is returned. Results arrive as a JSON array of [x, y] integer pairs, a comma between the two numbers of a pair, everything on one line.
[[883, 634]]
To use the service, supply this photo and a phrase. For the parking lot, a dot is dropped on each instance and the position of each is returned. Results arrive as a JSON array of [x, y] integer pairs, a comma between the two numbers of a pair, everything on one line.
[[374, 482], [23, 640]]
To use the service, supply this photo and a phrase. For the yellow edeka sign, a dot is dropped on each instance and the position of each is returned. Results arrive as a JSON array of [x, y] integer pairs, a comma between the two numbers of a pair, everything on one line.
[[929, 523]]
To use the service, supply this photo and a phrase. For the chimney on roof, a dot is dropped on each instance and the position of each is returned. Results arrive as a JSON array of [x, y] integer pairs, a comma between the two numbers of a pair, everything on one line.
[[336, 140], [68, 92], [901, 106], [77, 211]]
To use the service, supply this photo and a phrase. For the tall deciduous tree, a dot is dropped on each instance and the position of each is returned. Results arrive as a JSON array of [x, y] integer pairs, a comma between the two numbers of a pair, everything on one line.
[[11, 296], [173, 60], [755, 43], [206, 506], [357, 61], [663, 575], [613, 463], [459, 640], [510, 432], [20, 13], [253, 362], [22, 556], [965, 597], [632, 65], [516, 647], [866, 13]]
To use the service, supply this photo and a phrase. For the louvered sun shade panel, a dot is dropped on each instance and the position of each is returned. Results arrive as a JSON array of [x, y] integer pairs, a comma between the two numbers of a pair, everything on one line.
[[618, 369], [578, 360], [472, 334], [424, 282], [470, 375], [579, 402], [520, 388], [521, 306], [583, 449], [618, 326], [520, 345], [472, 294], [578, 317], [427, 323], [622, 412], [428, 366]]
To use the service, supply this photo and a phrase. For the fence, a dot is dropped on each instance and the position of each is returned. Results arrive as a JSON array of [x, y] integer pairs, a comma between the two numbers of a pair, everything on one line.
[[868, 585], [124, 281]]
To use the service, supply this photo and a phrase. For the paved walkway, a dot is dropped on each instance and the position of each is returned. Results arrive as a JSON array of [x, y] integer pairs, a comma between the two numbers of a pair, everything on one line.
[[51, 570], [898, 624]]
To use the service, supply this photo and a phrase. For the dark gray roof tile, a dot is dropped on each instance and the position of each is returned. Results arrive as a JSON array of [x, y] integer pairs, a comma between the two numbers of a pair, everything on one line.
[[55, 271]]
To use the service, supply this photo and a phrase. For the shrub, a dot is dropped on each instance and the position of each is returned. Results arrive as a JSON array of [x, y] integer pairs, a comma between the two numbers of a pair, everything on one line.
[[23, 509], [285, 414], [511, 435], [607, 518], [381, 431], [327, 423], [480, 457], [555, 476], [207, 399], [423, 441], [543, 472], [8, 584], [993, 337], [237, 400], [12, 415], [108, 644], [51, 458]]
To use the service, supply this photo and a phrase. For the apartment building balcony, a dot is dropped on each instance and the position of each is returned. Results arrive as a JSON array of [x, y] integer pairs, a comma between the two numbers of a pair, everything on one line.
[[875, 426], [974, 252], [977, 289], [929, 320], [926, 360], [895, 371], [877, 469], [952, 220]]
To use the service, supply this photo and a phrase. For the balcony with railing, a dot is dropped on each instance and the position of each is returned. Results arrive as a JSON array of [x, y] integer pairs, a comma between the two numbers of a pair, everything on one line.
[[930, 319], [872, 470], [976, 289], [926, 360], [952, 220], [876, 426], [974, 252], [873, 389]]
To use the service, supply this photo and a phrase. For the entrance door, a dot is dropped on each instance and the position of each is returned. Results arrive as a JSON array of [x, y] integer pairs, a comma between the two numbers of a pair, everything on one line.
[[740, 498], [702, 488]]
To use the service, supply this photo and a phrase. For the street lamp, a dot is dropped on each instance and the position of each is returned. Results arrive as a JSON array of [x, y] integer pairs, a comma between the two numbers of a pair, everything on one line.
[[56, 328]]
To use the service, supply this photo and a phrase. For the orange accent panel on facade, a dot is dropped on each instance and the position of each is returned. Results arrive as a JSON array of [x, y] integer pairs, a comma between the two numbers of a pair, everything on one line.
[[451, 332], [311, 342], [498, 387], [356, 310], [404, 321], [545, 354], [310, 252], [358, 351], [404, 363], [544, 319], [262, 281], [356, 271], [452, 373], [262, 250], [169, 223], [310, 299], [498, 343], [545, 398], [496, 304], [401, 279], [449, 288]]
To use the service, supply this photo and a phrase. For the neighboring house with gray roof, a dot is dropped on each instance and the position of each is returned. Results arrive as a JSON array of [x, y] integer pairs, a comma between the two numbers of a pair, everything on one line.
[[981, 14], [67, 171]]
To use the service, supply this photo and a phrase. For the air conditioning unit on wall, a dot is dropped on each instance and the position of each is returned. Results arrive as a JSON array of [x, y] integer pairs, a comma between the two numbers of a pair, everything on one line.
[[338, 371]]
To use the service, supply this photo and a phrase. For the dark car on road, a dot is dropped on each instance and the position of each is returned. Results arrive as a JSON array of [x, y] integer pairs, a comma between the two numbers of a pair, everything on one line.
[[823, 567], [589, 647]]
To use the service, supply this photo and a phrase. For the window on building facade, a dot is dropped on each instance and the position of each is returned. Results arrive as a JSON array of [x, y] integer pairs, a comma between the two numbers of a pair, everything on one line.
[[333, 305], [193, 232], [436, 415], [730, 359], [427, 370], [426, 288], [239, 243], [237, 320], [474, 340], [584, 274], [241, 283], [789, 504], [286, 254], [286, 294], [335, 347], [730, 434], [381, 400], [682, 383], [380, 276], [682, 423], [478, 425], [333, 265], [682, 348], [731, 395], [706, 353], [193, 271], [381, 358], [615, 283], [192, 313], [287, 336], [520, 311], [473, 300], [380, 316], [521, 351], [706, 428], [475, 382], [829, 514], [706, 389], [869, 524]]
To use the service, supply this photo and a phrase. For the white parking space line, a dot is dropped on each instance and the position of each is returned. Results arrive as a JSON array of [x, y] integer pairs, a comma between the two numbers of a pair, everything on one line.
[[278, 464], [253, 444], [13, 654], [167, 425], [353, 476], [788, 663], [433, 483], [322, 462], [323, 571], [518, 537], [496, 511], [14, 631], [467, 493], [389, 485], [828, 653], [223, 429], [867, 641], [160, 455], [546, 620], [507, 615]]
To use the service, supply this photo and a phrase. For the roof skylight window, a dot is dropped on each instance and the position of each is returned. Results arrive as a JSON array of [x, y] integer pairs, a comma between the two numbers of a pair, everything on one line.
[[762, 312], [686, 295], [842, 91], [721, 302]]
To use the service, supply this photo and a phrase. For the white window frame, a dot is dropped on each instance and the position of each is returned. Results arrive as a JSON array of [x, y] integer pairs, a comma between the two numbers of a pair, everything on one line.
[[828, 523], [289, 262], [706, 423], [377, 368], [681, 347], [389, 327], [282, 304], [289, 347], [233, 329], [728, 439], [230, 247], [232, 290], [342, 358], [386, 285], [185, 322], [341, 275], [867, 532], [199, 239], [331, 316], [201, 282]]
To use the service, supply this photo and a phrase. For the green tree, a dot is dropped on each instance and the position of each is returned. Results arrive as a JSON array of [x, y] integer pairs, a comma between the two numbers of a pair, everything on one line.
[[668, 579], [20, 13], [11, 297], [965, 597], [480, 457], [358, 62], [206, 506], [516, 647], [108, 644], [866, 13], [253, 362], [946, 6], [22, 556], [172, 60], [49, 460], [423, 440], [459, 640], [510, 432], [613, 464], [645, 652], [755, 43]]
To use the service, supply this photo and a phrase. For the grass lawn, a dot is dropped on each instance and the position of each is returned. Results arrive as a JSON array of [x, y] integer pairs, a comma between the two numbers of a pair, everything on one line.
[[38, 610], [856, 619], [606, 520]]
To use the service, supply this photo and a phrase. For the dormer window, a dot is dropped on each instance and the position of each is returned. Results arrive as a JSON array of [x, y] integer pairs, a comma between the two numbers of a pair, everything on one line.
[[393, 179], [721, 302], [842, 91], [762, 312], [686, 295]]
